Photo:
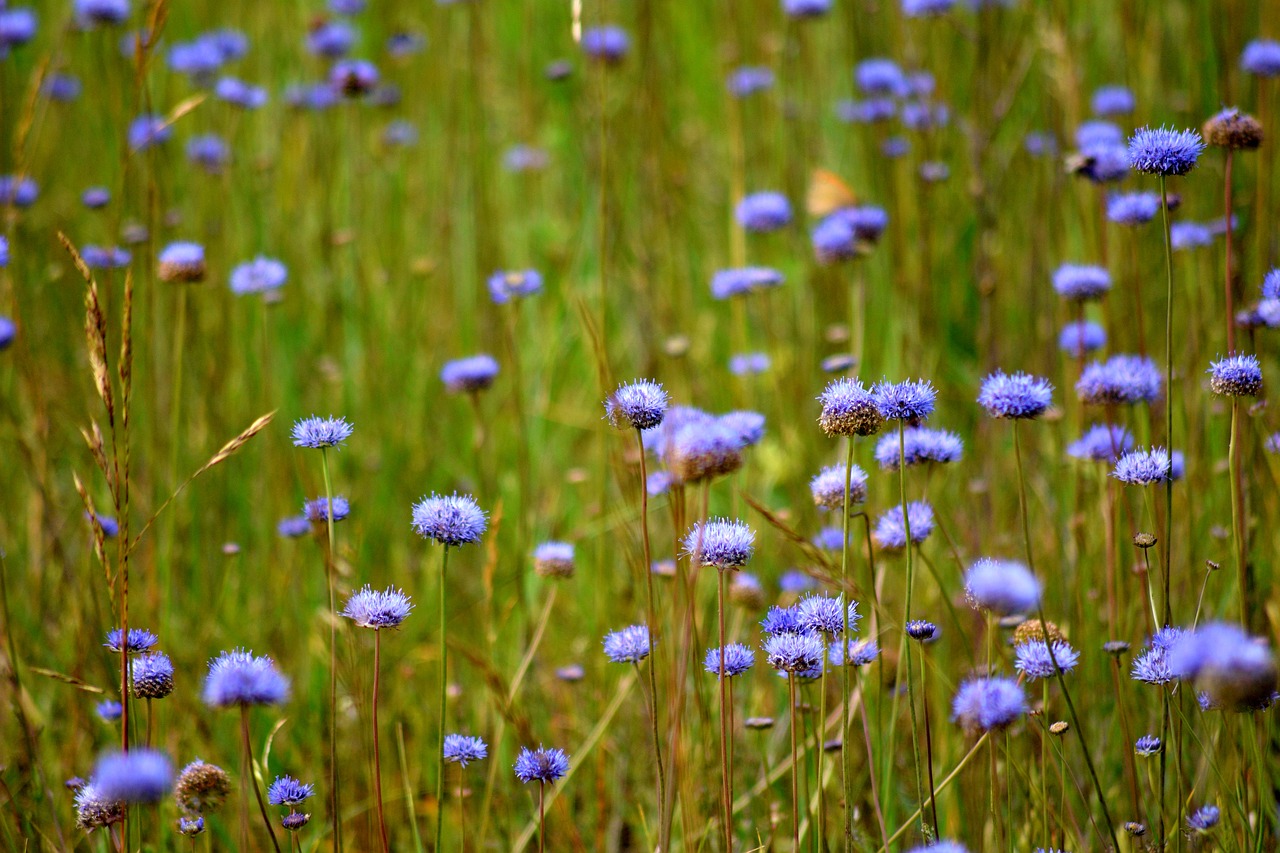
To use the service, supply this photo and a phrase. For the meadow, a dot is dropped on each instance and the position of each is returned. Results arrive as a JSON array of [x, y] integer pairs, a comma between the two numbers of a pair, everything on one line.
[[782, 425]]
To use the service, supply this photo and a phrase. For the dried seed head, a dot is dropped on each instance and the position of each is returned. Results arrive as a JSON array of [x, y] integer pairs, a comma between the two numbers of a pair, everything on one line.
[[1115, 647], [201, 788], [1233, 129], [1059, 728], [1032, 630], [1144, 540]]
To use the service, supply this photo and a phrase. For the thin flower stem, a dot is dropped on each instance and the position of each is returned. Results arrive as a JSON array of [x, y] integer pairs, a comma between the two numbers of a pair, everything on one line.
[[249, 778], [377, 754], [942, 786], [795, 769], [871, 765], [444, 684], [542, 817], [1053, 658], [654, 633], [1044, 762], [1164, 728], [1168, 401], [1237, 513], [820, 746], [846, 755], [911, 702], [928, 739], [726, 784], [335, 814]]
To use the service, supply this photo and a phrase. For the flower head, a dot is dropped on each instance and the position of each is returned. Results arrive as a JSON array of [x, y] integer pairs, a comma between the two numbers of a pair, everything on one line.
[[826, 614], [1033, 658], [201, 788], [1079, 338], [641, 404], [1148, 745], [737, 660], [449, 519], [1121, 379], [630, 645], [922, 630], [1151, 665], [879, 77], [541, 765], [920, 445], [740, 281], [294, 821], [182, 262], [1144, 467], [288, 791], [911, 400], [353, 77], [463, 749], [471, 374], [834, 239], [1203, 820], [190, 826], [1236, 376], [238, 678], [94, 810], [941, 846], [137, 776], [511, 285], [1189, 235], [294, 526], [794, 653], [261, 275], [750, 79], [721, 543], [861, 652], [106, 12], [748, 426], [1235, 670], [140, 640], [985, 704], [806, 8], [322, 508], [608, 43], [748, 363], [108, 710], [1261, 58], [375, 609], [1112, 100], [152, 675], [781, 620], [891, 532], [1017, 396], [1164, 151], [1133, 208], [704, 449], [828, 486], [319, 433], [764, 211], [1101, 443], [848, 408], [1232, 129], [553, 560], [1003, 587]]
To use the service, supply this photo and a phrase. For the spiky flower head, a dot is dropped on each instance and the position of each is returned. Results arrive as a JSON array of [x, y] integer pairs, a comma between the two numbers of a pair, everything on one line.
[[794, 653], [1112, 100], [295, 821], [261, 275], [1151, 665], [828, 486], [152, 675], [108, 710], [1148, 745], [190, 826], [781, 620], [891, 530], [1164, 151], [986, 704], [739, 281], [825, 614], [1261, 57], [1121, 379], [1034, 629], [1236, 375], [1233, 129], [137, 776], [1133, 208], [1033, 659], [370, 608], [1203, 820], [861, 652], [94, 810], [1189, 235], [910, 400], [288, 791], [239, 678], [1018, 396], [641, 404], [320, 509], [763, 211], [463, 749], [920, 446], [1079, 338], [737, 660], [449, 519], [1236, 671], [630, 645], [541, 765], [319, 433], [721, 543], [509, 285], [834, 239], [849, 409], [1003, 587], [201, 788], [745, 591], [703, 450], [1144, 467], [554, 560], [182, 263], [140, 640]]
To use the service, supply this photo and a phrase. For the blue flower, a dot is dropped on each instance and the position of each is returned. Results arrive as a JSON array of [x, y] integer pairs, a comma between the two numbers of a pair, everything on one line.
[[507, 286], [985, 704], [825, 614], [743, 280], [261, 275], [1032, 658], [806, 8], [95, 198], [1143, 467], [238, 93], [894, 147], [641, 404], [747, 80], [1002, 586], [524, 158], [17, 27], [148, 130], [926, 8], [764, 211], [1019, 396], [182, 262], [1079, 283], [1078, 339], [1151, 665], [449, 519], [922, 630], [891, 532], [1235, 670], [747, 426], [1271, 285], [319, 433], [747, 364], [704, 449], [8, 331], [781, 620], [318, 510], [1133, 208], [923, 116], [353, 77], [849, 409], [310, 96], [795, 653], [940, 847], [737, 660], [463, 749], [1102, 443], [867, 221], [108, 710], [152, 675], [1236, 376], [861, 652], [828, 486], [102, 11], [1096, 133], [834, 240], [1121, 379], [879, 76], [59, 86], [1261, 57], [1203, 819], [111, 257], [904, 401], [721, 543], [402, 44], [288, 791], [830, 538], [541, 765], [370, 608], [137, 776], [1164, 151], [19, 192], [868, 111], [630, 645], [1104, 163], [331, 39], [471, 374], [294, 526], [606, 43], [209, 152], [553, 560], [1148, 745], [140, 640], [1112, 100], [94, 811], [110, 527], [239, 678], [796, 581]]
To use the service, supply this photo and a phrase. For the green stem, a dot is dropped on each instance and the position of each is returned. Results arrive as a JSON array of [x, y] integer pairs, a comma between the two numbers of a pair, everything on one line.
[[846, 755], [1237, 512], [444, 683], [250, 780], [911, 702], [377, 752], [1168, 403], [334, 804], [652, 614]]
